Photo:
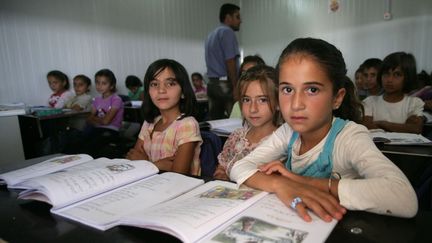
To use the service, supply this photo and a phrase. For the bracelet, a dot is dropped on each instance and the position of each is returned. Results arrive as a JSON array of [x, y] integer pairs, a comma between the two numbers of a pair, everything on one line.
[[334, 175]]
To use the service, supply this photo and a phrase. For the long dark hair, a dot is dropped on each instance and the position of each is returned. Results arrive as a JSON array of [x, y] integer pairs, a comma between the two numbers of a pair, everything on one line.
[[60, 76], [333, 64], [407, 64], [110, 77], [187, 104]]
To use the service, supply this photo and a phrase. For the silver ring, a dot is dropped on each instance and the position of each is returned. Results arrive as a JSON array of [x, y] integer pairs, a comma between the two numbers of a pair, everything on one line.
[[294, 202]]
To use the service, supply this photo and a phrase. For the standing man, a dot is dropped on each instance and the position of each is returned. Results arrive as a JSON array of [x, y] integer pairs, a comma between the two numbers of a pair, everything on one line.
[[222, 59]]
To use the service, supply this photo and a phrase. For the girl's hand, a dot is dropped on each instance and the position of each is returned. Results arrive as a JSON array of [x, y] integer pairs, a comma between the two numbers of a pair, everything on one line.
[[136, 154], [428, 105], [167, 160], [321, 203], [220, 174], [76, 108], [380, 124], [277, 167]]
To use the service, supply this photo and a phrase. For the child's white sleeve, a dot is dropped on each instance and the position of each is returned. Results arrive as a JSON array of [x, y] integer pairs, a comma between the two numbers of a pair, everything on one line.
[[370, 181], [273, 148]]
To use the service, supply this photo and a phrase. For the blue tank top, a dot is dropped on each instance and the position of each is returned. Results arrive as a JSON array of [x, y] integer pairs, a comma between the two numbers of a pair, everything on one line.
[[323, 165]]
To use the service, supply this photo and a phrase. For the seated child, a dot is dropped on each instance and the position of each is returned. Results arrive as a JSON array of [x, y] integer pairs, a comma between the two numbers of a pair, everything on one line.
[[248, 62], [134, 84], [319, 160], [359, 83], [59, 84], [425, 90], [170, 136], [198, 86], [82, 100], [257, 92], [371, 68], [394, 110], [104, 121]]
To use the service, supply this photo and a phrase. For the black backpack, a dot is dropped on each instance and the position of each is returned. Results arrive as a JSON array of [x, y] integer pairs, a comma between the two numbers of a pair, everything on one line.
[[210, 149]]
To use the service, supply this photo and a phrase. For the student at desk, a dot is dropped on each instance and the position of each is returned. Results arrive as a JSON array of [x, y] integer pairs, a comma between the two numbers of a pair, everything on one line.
[[59, 84], [394, 110], [198, 86], [248, 62], [82, 100], [257, 92], [170, 136], [135, 87], [104, 121], [332, 163]]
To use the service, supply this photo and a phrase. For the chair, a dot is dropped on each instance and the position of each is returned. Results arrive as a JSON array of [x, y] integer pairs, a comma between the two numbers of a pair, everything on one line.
[[126, 100], [210, 149], [424, 190]]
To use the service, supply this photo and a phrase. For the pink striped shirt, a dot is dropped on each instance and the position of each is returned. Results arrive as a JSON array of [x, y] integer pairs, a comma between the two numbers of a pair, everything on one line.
[[165, 143]]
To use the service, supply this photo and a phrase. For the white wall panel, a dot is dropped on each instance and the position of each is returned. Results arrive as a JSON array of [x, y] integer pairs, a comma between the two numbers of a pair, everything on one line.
[[358, 29], [83, 36]]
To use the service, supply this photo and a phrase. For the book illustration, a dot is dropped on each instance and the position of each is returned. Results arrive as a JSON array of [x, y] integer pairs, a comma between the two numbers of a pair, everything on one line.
[[250, 229], [67, 159], [222, 192], [270, 220], [119, 168]]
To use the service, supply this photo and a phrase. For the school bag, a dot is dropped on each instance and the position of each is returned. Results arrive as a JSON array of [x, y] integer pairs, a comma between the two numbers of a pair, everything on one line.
[[210, 149]]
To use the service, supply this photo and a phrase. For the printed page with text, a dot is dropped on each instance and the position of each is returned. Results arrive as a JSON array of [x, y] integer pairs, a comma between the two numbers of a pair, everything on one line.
[[86, 180]]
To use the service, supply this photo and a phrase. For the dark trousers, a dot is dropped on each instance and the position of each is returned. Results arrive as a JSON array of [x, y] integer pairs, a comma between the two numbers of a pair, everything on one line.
[[220, 96]]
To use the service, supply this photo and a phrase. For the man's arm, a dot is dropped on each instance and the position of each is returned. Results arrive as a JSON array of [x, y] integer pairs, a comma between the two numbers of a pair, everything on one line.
[[232, 74]]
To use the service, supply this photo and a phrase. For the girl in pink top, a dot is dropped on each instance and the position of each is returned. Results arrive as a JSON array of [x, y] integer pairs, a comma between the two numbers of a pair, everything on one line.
[[107, 109], [170, 136], [59, 84], [104, 122], [199, 87]]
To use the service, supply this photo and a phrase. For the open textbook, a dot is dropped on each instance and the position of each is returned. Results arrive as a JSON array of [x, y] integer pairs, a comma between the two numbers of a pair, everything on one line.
[[223, 127], [269, 220], [220, 212], [87, 180], [104, 211], [13, 178], [398, 138], [105, 193]]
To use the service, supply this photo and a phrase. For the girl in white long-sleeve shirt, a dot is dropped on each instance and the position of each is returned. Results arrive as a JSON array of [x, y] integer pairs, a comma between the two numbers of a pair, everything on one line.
[[299, 160]]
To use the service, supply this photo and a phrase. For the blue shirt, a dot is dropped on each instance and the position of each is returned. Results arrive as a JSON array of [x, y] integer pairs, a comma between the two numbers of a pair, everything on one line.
[[221, 45]]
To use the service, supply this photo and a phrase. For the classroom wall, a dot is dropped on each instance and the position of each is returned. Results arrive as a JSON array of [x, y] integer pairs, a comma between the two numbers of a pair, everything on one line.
[[83, 36], [358, 28]]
